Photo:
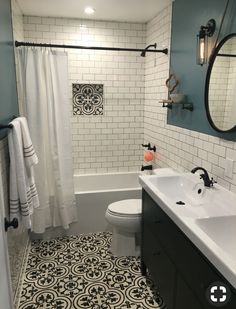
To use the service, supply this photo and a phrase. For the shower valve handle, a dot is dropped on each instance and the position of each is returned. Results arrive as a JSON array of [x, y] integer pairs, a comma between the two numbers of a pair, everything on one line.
[[146, 145]]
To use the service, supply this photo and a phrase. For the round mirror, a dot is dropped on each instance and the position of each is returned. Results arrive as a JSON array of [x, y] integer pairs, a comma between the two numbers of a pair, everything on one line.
[[220, 90]]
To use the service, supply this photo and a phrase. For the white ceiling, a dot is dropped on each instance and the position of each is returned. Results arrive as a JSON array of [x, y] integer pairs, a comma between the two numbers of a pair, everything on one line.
[[117, 10]]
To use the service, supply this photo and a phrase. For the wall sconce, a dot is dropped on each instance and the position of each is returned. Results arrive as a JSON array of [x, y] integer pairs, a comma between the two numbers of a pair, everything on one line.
[[202, 41]]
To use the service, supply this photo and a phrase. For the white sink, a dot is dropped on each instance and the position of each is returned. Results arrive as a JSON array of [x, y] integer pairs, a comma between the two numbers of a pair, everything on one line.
[[186, 195], [217, 228], [187, 188]]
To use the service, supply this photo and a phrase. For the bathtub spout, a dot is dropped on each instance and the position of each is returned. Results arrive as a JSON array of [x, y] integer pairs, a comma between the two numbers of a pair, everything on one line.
[[147, 168]]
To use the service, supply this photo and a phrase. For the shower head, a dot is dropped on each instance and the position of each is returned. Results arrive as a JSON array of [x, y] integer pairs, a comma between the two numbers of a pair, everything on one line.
[[143, 53]]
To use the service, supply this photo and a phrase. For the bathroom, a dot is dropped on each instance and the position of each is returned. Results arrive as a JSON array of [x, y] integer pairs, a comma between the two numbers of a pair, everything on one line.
[[106, 143]]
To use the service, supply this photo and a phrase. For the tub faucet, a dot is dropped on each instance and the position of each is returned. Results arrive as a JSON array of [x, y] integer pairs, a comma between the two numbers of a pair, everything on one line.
[[147, 167], [205, 177]]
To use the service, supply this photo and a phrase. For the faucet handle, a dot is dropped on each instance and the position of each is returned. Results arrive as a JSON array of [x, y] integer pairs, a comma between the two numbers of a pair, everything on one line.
[[213, 181], [202, 176]]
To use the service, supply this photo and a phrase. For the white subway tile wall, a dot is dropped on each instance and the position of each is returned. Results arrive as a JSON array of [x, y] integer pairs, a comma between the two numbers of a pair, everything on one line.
[[110, 142], [178, 148]]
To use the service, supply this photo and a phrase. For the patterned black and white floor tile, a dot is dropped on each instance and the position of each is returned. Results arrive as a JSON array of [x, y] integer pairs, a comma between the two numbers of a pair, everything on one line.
[[79, 272]]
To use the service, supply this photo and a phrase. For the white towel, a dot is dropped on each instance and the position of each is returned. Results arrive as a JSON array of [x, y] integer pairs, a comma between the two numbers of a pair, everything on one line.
[[30, 156], [23, 192]]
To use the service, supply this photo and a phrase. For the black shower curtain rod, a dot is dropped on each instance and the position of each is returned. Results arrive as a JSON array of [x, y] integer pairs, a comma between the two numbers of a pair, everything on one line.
[[18, 44], [226, 55]]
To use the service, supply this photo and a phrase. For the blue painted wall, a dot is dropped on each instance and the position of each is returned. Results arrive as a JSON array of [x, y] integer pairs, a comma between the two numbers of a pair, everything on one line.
[[188, 16], [8, 93]]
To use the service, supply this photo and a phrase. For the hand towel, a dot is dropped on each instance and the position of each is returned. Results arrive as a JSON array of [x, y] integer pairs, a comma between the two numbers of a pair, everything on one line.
[[30, 156], [23, 192]]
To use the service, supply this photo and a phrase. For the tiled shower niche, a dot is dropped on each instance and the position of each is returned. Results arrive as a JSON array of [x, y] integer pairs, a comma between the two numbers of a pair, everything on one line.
[[87, 99]]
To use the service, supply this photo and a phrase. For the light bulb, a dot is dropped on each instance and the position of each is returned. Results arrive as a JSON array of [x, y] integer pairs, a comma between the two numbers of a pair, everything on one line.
[[89, 10]]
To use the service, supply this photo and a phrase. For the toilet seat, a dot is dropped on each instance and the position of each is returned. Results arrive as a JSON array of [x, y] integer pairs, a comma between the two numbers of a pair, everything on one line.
[[126, 208]]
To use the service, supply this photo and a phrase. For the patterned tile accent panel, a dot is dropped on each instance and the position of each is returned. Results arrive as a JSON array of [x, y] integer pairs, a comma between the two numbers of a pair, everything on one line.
[[80, 272], [87, 99]]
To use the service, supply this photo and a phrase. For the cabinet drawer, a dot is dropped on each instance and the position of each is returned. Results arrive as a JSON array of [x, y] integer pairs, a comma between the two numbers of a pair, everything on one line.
[[160, 267]]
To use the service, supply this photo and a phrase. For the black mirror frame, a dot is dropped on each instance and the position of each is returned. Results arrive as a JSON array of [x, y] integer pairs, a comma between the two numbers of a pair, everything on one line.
[[208, 76]]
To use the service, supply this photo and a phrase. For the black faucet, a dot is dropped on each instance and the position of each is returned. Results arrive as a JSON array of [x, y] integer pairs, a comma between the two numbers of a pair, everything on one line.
[[205, 177], [147, 167]]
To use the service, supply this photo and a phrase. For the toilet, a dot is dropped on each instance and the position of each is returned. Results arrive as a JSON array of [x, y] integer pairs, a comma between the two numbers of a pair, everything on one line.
[[125, 217]]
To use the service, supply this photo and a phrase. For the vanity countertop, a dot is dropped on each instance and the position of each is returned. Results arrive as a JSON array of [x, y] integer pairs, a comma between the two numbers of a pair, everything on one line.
[[207, 217]]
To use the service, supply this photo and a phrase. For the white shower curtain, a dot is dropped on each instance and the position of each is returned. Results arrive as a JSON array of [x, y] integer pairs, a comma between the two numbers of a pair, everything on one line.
[[44, 102]]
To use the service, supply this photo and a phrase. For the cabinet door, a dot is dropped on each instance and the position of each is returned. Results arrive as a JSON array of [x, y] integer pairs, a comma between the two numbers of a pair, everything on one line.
[[160, 267], [193, 266], [185, 298], [152, 218]]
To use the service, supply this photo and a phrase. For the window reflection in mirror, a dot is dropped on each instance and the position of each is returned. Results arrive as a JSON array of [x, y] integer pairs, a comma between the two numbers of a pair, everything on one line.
[[222, 86]]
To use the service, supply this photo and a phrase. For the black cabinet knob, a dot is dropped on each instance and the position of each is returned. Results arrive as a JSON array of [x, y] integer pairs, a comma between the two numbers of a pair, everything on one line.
[[157, 253], [157, 221], [14, 223]]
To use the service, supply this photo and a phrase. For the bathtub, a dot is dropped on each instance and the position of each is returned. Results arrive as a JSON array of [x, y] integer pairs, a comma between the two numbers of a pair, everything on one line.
[[94, 192]]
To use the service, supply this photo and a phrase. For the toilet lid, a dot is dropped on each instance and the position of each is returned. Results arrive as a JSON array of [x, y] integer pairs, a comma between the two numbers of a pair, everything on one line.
[[126, 207]]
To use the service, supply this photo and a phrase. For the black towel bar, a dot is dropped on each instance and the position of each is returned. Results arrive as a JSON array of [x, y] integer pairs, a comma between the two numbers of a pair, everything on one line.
[[7, 126]]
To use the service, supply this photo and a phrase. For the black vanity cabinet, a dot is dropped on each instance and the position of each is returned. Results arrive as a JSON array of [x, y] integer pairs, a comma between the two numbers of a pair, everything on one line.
[[180, 271]]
